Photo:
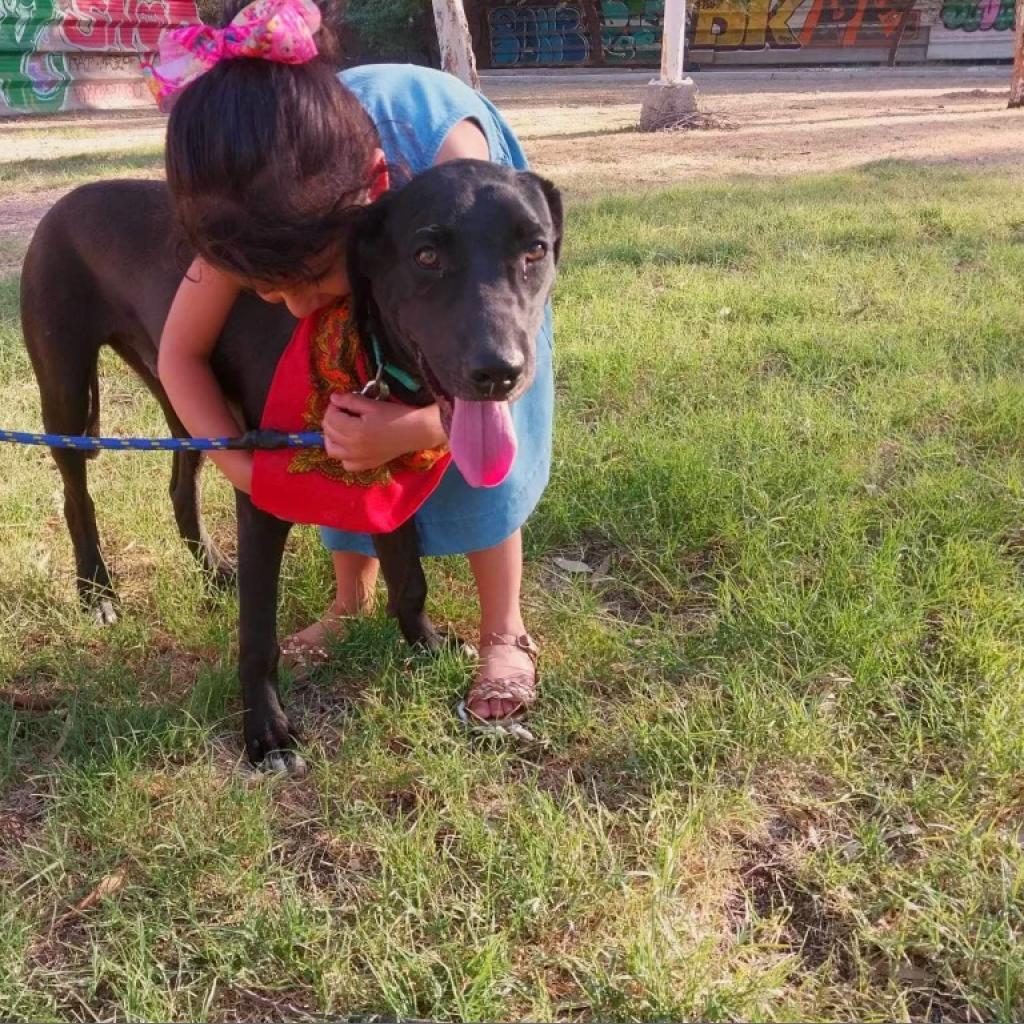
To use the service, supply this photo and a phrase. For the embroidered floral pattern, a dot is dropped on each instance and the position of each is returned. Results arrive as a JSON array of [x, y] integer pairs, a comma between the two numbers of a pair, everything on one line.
[[338, 363]]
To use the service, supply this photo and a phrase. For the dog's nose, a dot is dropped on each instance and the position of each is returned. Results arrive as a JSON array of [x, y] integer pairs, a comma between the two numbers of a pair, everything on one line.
[[497, 379]]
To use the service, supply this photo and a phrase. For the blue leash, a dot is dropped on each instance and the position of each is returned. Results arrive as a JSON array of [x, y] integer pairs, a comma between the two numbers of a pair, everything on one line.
[[252, 440]]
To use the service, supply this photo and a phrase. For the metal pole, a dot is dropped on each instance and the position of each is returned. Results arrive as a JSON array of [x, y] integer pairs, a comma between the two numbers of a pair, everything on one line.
[[673, 96], [673, 41]]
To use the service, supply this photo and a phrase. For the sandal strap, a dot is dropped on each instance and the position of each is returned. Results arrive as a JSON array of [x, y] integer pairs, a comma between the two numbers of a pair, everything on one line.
[[517, 685], [521, 642], [522, 689]]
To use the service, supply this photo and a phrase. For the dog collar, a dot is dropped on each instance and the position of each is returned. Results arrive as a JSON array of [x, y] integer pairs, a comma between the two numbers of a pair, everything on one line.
[[407, 381]]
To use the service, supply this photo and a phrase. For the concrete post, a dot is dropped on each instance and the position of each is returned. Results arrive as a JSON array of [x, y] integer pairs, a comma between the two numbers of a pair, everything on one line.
[[455, 42], [672, 95]]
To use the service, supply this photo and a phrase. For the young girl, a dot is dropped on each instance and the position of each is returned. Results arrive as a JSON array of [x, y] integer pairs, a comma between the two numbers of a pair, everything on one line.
[[268, 153]]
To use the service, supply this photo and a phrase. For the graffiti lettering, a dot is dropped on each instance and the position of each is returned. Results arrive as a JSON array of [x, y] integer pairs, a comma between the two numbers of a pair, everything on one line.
[[29, 79], [733, 25], [978, 15], [38, 36], [526, 35], [631, 30], [793, 24], [129, 26], [523, 36], [855, 22]]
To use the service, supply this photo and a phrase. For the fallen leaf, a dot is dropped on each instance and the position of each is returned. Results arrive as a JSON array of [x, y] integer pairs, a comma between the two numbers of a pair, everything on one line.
[[107, 886], [568, 565], [910, 975]]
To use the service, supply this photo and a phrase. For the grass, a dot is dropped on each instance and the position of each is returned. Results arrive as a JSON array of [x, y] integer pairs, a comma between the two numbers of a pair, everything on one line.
[[36, 174], [783, 724]]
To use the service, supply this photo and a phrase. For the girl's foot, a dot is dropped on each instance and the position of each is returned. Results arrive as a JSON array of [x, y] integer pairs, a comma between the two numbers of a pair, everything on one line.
[[309, 647], [506, 681]]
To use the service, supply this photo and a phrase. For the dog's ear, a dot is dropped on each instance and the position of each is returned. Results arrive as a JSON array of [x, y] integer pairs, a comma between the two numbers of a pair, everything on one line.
[[366, 244], [554, 201]]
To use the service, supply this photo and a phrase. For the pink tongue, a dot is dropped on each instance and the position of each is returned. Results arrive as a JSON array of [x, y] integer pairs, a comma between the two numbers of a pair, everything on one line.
[[483, 441]]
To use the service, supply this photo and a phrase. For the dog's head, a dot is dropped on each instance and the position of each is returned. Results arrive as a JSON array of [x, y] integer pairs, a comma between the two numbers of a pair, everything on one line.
[[457, 267]]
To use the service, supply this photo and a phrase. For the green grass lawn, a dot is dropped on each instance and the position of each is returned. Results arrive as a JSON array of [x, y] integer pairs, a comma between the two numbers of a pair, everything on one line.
[[37, 173], [782, 723]]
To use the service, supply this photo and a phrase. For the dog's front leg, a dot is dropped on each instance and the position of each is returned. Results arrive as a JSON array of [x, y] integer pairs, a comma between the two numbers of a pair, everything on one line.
[[269, 735], [400, 563]]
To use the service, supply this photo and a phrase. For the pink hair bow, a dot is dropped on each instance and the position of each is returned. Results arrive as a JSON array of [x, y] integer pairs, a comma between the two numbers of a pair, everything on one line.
[[277, 30]]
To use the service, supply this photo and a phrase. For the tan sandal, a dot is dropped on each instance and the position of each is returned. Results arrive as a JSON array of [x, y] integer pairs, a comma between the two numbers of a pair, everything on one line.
[[504, 675]]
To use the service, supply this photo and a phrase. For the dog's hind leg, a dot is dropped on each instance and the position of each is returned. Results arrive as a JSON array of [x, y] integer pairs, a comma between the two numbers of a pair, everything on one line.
[[269, 734], [185, 466], [185, 497], [70, 405], [400, 563]]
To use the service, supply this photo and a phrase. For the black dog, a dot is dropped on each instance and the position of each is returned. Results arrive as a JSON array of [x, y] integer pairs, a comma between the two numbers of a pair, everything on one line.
[[450, 273]]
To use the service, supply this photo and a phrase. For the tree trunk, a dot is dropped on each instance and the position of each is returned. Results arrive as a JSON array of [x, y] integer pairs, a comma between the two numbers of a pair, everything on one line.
[[1017, 81], [454, 41], [592, 15]]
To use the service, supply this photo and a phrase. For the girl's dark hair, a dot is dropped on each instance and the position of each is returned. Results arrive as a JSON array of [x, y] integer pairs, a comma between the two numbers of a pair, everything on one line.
[[267, 163]]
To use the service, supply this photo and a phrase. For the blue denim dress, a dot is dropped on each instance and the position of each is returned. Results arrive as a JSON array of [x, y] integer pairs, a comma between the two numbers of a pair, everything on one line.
[[414, 109]]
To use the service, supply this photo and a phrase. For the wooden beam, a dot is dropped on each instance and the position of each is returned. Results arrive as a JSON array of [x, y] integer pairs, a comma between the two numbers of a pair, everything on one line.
[[455, 42]]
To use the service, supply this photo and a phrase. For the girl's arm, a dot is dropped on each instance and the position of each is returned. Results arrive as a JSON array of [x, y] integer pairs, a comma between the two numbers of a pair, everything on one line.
[[197, 315], [365, 434]]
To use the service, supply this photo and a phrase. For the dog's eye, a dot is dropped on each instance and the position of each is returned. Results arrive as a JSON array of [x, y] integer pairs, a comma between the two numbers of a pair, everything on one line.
[[427, 257], [536, 251]]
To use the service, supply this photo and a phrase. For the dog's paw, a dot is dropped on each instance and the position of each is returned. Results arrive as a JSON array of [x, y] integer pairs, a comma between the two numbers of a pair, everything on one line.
[[270, 741], [104, 613], [284, 762], [456, 645], [432, 642], [223, 575]]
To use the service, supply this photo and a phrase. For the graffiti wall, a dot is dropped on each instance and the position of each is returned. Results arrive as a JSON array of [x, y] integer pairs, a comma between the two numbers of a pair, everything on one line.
[[623, 32], [79, 54], [524, 35], [972, 30]]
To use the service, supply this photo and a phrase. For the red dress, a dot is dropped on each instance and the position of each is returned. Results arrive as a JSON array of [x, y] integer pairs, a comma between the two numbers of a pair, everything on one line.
[[326, 355]]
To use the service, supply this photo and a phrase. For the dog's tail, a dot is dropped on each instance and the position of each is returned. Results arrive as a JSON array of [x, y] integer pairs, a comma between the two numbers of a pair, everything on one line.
[[92, 424]]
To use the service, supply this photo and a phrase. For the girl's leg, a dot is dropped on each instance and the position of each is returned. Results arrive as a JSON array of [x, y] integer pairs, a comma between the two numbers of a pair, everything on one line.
[[355, 577], [499, 576]]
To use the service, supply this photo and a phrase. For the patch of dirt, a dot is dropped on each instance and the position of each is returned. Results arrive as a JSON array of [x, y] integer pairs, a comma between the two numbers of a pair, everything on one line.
[[580, 129], [634, 591], [319, 860], [606, 777], [22, 811], [244, 1004], [770, 888], [976, 94], [19, 215]]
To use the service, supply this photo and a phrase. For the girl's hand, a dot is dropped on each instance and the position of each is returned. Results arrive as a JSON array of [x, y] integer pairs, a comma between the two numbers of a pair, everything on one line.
[[363, 433]]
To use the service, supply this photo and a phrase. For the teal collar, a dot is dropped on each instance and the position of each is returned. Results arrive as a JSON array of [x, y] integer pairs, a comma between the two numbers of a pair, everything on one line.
[[407, 381]]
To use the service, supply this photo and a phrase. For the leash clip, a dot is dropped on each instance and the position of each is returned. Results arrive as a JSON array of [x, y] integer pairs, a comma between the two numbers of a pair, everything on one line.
[[376, 389]]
